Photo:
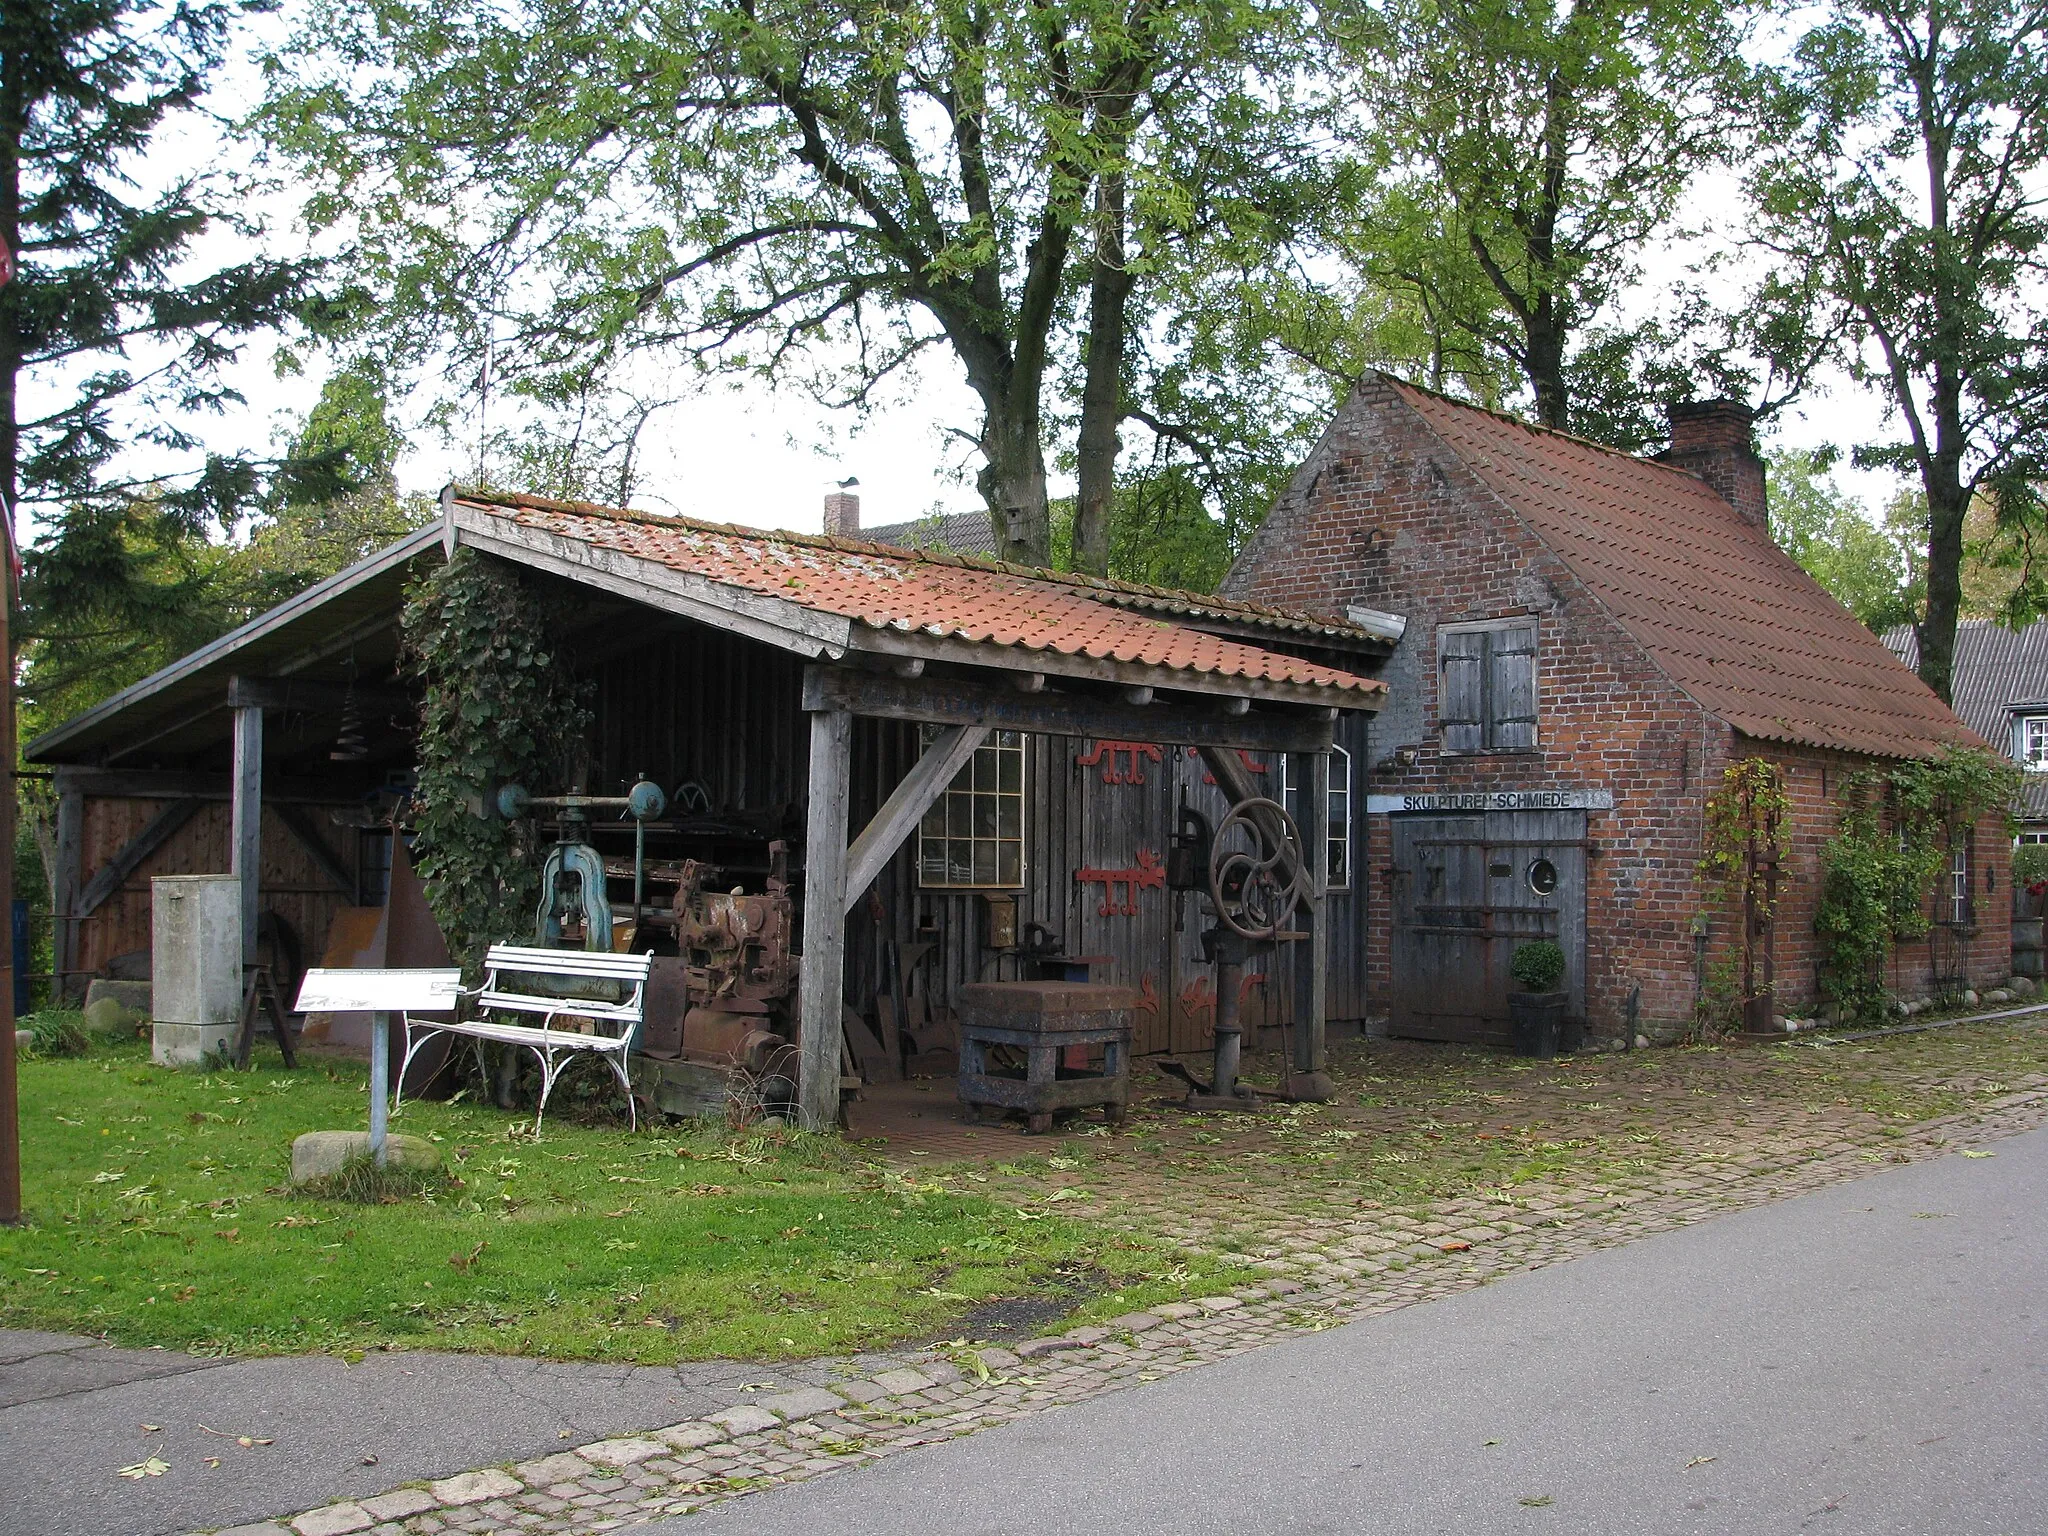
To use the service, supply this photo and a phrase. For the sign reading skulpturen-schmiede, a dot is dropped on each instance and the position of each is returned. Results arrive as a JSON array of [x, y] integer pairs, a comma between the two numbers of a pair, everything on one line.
[[1492, 800]]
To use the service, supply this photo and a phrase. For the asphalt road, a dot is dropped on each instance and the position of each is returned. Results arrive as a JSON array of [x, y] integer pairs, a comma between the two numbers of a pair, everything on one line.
[[1868, 1359]]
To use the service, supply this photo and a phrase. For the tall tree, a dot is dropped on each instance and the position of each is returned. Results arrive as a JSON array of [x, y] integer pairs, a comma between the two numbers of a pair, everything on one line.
[[820, 191], [1866, 568], [1533, 148], [104, 319], [1901, 205]]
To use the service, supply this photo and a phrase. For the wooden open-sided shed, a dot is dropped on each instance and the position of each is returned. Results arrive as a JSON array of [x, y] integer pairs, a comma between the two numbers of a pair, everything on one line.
[[847, 698]]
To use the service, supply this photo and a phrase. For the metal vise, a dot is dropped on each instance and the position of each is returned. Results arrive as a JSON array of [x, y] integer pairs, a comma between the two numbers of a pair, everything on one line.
[[572, 880]]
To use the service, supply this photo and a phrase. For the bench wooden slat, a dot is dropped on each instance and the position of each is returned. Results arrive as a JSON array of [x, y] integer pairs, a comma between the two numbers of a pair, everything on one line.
[[526, 1002], [567, 962]]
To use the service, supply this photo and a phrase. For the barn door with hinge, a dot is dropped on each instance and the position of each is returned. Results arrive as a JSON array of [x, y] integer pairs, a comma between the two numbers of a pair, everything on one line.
[[1467, 891]]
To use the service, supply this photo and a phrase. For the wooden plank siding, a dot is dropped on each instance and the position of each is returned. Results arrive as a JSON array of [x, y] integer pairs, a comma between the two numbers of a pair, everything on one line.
[[721, 713], [294, 885]]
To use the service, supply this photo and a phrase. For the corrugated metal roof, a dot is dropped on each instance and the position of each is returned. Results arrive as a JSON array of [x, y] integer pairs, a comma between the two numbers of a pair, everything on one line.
[[963, 533], [1727, 614], [1995, 669], [981, 601]]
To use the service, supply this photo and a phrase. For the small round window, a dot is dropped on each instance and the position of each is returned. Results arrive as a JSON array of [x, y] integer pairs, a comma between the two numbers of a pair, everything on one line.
[[1542, 876]]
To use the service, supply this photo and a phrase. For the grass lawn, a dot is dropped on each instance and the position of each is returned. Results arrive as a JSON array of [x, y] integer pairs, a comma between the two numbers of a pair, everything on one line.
[[160, 1214]]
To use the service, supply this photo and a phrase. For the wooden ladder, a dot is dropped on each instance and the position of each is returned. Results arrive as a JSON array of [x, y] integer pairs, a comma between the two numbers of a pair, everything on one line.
[[260, 992]]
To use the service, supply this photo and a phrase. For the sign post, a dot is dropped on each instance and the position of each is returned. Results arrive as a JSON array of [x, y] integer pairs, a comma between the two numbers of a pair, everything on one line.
[[382, 994]]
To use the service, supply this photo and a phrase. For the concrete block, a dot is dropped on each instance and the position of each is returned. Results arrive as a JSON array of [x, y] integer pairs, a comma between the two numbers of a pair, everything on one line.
[[196, 948], [400, 1503], [806, 1403], [188, 1045], [317, 1154], [902, 1380], [475, 1487], [743, 1419], [625, 1451], [562, 1467], [691, 1436], [333, 1520]]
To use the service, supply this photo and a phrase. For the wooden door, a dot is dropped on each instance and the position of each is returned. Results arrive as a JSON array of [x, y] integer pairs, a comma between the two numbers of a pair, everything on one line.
[[1467, 891]]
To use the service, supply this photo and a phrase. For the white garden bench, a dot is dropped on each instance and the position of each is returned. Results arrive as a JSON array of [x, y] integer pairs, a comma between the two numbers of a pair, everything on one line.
[[532, 981]]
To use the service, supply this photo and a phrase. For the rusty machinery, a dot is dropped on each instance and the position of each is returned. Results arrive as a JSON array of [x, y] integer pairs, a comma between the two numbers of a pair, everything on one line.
[[738, 968], [1251, 869]]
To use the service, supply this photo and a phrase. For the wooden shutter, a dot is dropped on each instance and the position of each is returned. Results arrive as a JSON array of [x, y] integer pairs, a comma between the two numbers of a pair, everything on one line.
[[1461, 690], [1511, 689]]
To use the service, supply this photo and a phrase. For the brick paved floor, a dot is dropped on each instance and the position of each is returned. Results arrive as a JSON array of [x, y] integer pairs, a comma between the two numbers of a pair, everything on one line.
[[1436, 1170]]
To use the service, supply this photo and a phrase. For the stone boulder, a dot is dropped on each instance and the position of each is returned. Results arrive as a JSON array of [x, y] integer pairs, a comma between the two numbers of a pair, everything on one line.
[[2023, 988], [106, 1018], [320, 1154]]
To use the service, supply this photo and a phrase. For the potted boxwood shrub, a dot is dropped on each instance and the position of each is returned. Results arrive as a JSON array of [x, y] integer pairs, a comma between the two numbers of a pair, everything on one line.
[[1536, 1014]]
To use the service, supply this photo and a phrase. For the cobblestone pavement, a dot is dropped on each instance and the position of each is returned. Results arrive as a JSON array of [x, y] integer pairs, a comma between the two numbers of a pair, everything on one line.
[[1435, 1171]]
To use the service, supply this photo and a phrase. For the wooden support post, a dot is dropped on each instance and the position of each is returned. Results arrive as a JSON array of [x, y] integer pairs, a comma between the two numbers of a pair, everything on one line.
[[951, 751], [246, 853], [1310, 771], [822, 988], [66, 879]]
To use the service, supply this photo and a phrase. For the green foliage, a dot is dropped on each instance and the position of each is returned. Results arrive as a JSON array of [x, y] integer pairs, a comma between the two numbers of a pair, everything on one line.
[[1889, 852], [2030, 865], [1745, 821], [1870, 570], [500, 705], [113, 311], [815, 193], [1538, 966], [56, 1032], [1897, 193], [158, 1215], [1161, 532], [359, 1181], [1533, 152]]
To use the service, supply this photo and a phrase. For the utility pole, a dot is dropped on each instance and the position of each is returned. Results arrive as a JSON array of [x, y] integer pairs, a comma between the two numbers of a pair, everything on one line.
[[10, 1104]]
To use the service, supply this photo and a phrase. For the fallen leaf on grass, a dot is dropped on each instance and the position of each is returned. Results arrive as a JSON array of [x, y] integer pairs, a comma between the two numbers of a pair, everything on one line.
[[1454, 1245], [154, 1467], [463, 1263], [1534, 1500]]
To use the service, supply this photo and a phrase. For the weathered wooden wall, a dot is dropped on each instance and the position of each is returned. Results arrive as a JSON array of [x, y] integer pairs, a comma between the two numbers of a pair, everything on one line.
[[293, 885], [720, 713]]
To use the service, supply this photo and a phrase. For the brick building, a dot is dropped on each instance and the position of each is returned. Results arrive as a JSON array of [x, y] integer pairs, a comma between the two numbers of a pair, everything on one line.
[[1587, 639]]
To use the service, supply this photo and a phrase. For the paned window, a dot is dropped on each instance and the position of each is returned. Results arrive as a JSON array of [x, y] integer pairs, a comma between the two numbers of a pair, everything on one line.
[[1486, 679], [972, 838], [1340, 813], [1958, 904], [2034, 743]]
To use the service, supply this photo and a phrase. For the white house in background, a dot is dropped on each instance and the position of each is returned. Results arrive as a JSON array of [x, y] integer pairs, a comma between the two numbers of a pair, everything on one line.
[[2001, 691]]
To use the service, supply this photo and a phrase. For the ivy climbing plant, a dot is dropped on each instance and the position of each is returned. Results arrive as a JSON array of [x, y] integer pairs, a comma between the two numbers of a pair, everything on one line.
[[1890, 850], [500, 705], [1743, 856]]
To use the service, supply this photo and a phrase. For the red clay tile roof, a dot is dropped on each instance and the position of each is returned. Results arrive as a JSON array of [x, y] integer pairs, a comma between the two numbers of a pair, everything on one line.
[[944, 595], [1729, 616]]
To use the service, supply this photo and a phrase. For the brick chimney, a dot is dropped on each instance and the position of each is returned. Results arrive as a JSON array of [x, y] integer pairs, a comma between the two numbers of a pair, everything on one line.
[[842, 512], [1712, 439]]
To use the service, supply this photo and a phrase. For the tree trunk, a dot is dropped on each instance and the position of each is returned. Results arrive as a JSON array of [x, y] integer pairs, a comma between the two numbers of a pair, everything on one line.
[[1546, 343], [1012, 478], [1109, 291], [1947, 501]]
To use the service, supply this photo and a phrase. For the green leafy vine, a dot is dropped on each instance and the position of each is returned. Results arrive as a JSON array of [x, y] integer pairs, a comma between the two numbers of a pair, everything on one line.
[[500, 705], [1890, 850]]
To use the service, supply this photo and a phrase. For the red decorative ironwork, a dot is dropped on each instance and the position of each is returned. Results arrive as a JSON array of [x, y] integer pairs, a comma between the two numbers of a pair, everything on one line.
[[1148, 873], [1106, 754], [1196, 998], [1148, 995]]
